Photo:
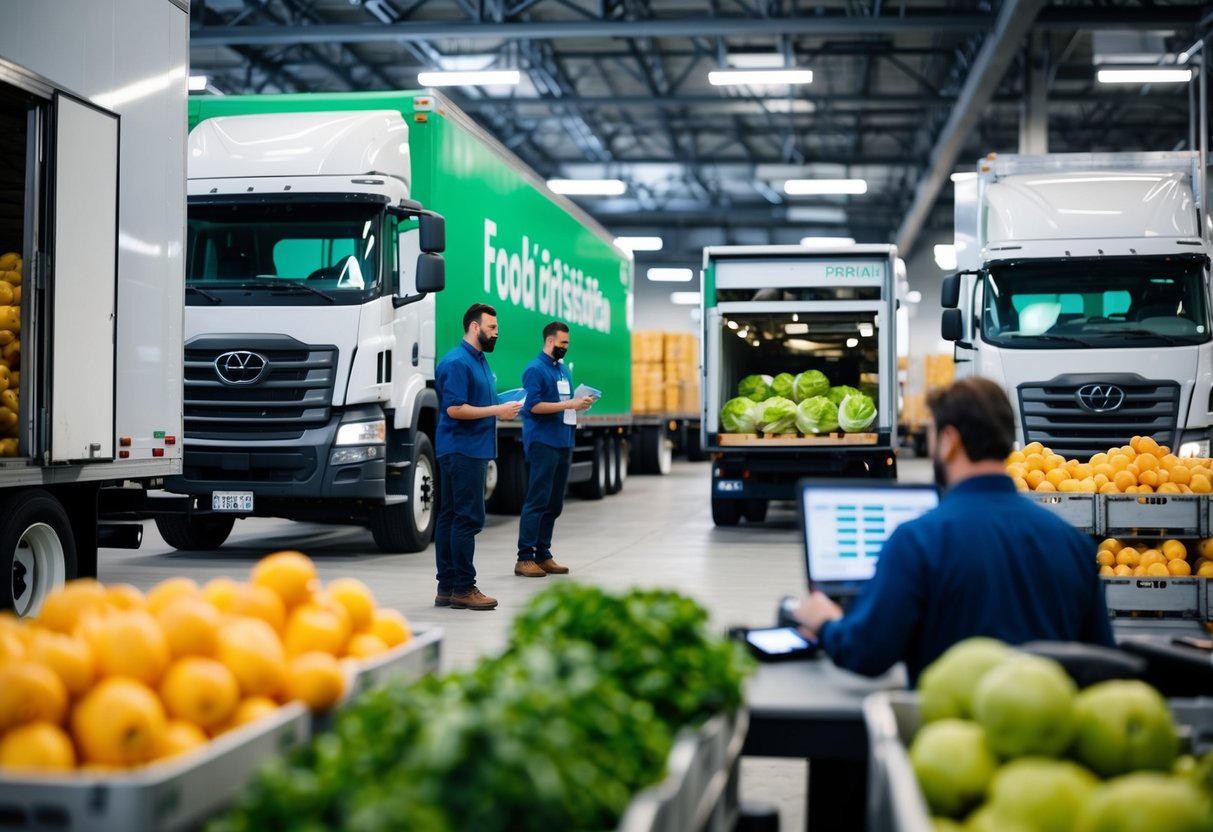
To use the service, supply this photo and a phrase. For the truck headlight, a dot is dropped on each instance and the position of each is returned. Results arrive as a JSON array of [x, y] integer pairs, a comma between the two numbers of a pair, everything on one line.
[[1199, 448], [346, 456], [362, 433]]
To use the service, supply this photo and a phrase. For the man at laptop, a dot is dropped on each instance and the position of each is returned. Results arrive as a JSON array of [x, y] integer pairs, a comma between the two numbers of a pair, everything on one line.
[[985, 562]]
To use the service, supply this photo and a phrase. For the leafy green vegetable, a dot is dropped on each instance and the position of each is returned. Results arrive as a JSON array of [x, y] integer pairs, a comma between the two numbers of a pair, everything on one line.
[[856, 413], [837, 394], [808, 384], [777, 415], [739, 415], [756, 388], [816, 415], [781, 385]]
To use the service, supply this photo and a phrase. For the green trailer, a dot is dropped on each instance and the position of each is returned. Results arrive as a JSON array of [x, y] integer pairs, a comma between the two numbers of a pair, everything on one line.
[[295, 190]]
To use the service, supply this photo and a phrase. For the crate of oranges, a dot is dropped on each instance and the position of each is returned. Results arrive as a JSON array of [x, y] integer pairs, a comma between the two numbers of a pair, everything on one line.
[[128, 710], [1161, 578]]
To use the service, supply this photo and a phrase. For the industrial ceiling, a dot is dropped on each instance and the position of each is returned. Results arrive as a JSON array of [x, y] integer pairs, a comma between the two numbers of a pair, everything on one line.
[[903, 94]]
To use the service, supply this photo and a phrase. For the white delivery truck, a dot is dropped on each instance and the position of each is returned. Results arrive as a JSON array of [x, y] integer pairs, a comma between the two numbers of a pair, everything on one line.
[[1084, 293], [783, 325], [92, 222]]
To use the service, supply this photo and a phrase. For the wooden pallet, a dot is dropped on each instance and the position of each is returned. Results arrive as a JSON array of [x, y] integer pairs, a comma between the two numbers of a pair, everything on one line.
[[768, 439]]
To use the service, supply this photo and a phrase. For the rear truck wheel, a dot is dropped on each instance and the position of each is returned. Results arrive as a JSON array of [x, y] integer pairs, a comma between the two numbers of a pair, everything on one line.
[[37, 550], [654, 454], [510, 491], [694, 444], [595, 488], [726, 512], [195, 532], [755, 511], [490, 480], [616, 463], [409, 526], [623, 454]]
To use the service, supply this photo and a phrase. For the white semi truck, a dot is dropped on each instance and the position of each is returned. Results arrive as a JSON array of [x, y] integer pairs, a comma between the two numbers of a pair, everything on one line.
[[1084, 293], [92, 222]]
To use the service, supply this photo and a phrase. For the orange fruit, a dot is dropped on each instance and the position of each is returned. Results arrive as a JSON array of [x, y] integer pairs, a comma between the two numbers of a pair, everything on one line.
[[1054, 461], [1179, 567], [1106, 571], [1122, 570], [1057, 476], [191, 627], [11, 646], [163, 593], [30, 692], [63, 608], [1034, 479], [259, 602], [1169, 488], [200, 690], [1109, 488], [365, 645], [1110, 544], [131, 644], [1205, 570], [1179, 475], [290, 574], [119, 722], [357, 599], [1098, 459], [70, 658], [1124, 480], [249, 710], [1088, 486], [1149, 478], [124, 597], [1152, 556], [220, 592], [312, 627], [316, 680], [1034, 462], [1147, 462], [1140, 571], [37, 746], [251, 649], [1200, 484], [1174, 549], [1020, 484], [1119, 462], [1128, 556], [180, 737], [1157, 570], [1033, 448], [1070, 486], [323, 600], [1016, 470], [1047, 487], [1081, 471], [391, 626], [1015, 456], [1104, 468], [1105, 558]]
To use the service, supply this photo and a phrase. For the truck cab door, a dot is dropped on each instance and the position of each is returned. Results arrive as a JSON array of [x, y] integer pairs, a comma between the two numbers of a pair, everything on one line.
[[82, 282]]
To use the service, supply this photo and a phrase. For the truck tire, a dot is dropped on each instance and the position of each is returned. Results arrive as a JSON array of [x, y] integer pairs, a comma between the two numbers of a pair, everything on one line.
[[694, 444], [654, 454], [617, 471], [409, 526], [595, 488], [755, 511], [510, 491], [726, 512], [37, 550], [195, 532]]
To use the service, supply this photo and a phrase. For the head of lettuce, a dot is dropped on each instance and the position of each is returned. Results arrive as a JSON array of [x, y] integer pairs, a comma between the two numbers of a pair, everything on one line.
[[856, 413], [778, 415], [739, 415], [756, 388], [817, 415], [808, 384]]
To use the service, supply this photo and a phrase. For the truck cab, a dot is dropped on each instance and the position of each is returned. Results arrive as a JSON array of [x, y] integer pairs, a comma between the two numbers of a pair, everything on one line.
[[1084, 294], [309, 305]]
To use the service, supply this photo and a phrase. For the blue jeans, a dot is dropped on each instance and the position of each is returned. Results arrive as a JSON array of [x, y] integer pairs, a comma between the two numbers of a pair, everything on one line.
[[548, 473], [460, 519]]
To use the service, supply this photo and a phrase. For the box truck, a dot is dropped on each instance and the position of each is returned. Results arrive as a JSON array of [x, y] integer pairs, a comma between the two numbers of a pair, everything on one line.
[[771, 313], [92, 222], [1083, 292], [311, 335]]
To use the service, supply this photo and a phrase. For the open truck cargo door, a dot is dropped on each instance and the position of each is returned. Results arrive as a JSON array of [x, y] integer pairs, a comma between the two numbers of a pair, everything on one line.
[[83, 271]]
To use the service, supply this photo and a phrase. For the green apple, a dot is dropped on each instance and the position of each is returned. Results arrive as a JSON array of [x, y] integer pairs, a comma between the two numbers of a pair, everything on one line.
[[1146, 802], [1124, 726], [953, 764], [945, 688], [1026, 706], [1041, 793]]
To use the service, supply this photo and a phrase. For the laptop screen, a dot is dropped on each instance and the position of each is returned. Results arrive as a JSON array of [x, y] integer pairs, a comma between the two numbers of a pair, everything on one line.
[[845, 524]]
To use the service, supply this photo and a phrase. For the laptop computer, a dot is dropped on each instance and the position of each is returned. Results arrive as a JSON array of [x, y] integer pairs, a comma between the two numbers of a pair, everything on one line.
[[846, 522]]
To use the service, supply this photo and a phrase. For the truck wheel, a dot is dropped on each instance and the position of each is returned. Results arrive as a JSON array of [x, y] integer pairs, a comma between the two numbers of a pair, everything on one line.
[[510, 492], [37, 550], [654, 452], [595, 488], [726, 512], [755, 511], [616, 464], [622, 452], [409, 527], [694, 444], [197, 533]]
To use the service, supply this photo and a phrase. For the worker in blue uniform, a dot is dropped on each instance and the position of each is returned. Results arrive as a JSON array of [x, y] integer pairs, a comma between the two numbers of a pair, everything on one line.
[[985, 562], [549, 421]]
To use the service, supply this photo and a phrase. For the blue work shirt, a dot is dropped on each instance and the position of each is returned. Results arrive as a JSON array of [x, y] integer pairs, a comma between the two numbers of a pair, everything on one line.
[[540, 380], [463, 377], [985, 562]]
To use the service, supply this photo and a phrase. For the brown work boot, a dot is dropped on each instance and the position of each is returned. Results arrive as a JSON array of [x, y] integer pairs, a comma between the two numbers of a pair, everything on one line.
[[551, 567], [441, 600], [473, 599], [528, 569]]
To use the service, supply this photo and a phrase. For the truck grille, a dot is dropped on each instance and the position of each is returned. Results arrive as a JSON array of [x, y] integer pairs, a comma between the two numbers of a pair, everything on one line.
[[1051, 413], [293, 392]]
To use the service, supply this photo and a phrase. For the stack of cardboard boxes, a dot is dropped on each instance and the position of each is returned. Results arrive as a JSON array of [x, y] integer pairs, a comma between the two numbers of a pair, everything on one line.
[[665, 372]]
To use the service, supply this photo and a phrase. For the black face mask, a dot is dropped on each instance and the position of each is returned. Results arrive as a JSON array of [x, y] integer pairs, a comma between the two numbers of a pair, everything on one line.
[[486, 343], [559, 352], [941, 473]]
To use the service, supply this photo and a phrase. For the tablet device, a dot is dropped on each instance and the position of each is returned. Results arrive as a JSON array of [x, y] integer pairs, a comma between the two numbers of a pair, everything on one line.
[[776, 644]]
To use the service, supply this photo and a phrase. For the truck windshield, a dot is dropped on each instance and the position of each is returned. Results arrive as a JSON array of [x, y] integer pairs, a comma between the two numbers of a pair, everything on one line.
[[288, 253], [1096, 302]]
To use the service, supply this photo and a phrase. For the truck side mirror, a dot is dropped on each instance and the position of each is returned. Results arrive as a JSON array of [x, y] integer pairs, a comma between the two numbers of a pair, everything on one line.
[[949, 295], [431, 272], [433, 233], [951, 327]]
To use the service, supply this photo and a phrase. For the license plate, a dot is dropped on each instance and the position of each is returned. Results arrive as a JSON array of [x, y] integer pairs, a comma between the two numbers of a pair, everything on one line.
[[730, 485], [241, 501]]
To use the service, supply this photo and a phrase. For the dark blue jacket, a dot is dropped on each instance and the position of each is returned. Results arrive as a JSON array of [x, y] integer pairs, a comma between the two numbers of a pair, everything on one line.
[[539, 379], [463, 377], [986, 562]]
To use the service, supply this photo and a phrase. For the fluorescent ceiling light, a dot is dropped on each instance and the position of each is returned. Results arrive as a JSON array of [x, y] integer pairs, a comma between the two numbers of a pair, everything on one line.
[[945, 257], [474, 78], [671, 276], [735, 77], [816, 214], [756, 60], [684, 298], [588, 187], [639, 243], [785, 105], [817, 187], [1155, 75], [914, 296], [198, 83], [964, 175], [824, 242]]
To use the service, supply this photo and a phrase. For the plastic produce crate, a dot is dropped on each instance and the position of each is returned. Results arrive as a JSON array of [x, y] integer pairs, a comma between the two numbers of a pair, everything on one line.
[[176, 794], [1153, 515], [895, 802], [1076, 509], [700, 789], [1155, 597]]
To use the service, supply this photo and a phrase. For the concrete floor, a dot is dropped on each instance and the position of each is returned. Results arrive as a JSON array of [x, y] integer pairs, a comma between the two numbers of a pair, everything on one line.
[[657, 532]]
